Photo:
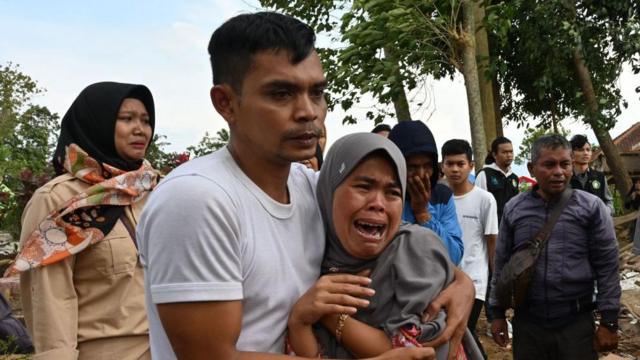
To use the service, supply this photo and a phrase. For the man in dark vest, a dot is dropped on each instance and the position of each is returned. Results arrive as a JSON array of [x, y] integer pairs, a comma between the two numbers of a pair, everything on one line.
[[496, 176], [584, 178]]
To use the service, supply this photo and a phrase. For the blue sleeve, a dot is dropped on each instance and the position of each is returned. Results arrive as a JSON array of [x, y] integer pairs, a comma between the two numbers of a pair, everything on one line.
[[444, 222]]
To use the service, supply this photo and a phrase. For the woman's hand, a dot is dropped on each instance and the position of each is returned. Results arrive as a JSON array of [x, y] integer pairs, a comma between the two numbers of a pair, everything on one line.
[[331, 294]]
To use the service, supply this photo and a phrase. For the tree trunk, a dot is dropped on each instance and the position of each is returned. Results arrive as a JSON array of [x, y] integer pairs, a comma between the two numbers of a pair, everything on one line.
[[470, 73], [485, 83], [496, 105], [400, 103], [614, 160]]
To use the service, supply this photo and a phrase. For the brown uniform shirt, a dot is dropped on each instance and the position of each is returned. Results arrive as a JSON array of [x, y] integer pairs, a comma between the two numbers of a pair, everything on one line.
[[90, 305]]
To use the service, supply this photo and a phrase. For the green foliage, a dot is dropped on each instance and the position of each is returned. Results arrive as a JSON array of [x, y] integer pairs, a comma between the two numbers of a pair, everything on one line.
[[379, 48], [530, 136], [27, 141], [209, 144], [532, 47], [10, 346], [618, 201], [162, 160]]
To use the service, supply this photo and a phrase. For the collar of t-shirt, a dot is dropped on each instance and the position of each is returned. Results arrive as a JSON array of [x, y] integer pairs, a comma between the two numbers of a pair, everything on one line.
[[276, 209]]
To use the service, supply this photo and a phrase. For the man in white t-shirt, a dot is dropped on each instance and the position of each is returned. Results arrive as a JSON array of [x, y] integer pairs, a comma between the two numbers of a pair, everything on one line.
[[232, 240], [478, 218]]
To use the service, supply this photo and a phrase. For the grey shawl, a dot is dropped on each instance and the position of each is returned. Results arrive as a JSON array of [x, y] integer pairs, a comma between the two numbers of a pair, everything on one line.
[[412, 270]]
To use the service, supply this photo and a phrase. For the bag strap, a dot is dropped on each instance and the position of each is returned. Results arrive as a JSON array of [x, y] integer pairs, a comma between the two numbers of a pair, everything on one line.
[[540, 240], [130, 228]]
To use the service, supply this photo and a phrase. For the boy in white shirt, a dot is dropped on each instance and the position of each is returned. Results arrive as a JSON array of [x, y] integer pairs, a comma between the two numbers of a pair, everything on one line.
[[478, 218]]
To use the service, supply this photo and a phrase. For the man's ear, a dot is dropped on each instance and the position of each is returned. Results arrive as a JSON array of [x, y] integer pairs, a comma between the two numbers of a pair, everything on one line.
[[222, 98], [472, 164], [530, 168]]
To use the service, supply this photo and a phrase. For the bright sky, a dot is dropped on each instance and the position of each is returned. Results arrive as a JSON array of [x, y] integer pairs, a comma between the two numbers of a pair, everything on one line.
[[68, 44]]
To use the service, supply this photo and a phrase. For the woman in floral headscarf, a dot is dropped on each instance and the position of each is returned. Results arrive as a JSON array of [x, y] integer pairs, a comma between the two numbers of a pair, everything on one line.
[[81, 281]]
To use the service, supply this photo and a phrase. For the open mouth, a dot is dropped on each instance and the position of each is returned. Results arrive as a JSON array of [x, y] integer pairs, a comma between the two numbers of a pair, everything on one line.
[[370, 230]]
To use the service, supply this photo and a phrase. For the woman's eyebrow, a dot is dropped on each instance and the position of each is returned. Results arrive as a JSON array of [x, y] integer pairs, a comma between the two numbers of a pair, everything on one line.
[[365, 178]]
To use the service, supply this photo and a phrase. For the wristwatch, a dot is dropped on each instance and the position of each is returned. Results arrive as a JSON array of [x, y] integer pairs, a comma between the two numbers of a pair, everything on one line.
[[611, 325]]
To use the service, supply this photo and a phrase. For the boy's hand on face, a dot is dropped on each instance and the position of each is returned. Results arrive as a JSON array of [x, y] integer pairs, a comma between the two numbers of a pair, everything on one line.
[[420, 195]]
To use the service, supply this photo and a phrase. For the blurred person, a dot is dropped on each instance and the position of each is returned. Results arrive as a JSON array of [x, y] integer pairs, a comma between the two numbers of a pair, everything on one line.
[[497, 176], [81, 282], [633, 202], [585, 178], [478, 218], [428, 203], [382, 130], [315, 163]]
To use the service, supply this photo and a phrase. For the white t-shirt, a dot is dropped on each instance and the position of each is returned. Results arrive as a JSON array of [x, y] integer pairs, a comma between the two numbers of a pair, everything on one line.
[[208, 233], [478, 216]]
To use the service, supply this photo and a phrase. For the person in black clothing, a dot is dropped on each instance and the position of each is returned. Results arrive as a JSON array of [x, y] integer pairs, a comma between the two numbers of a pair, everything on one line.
[[584, 178], [382, 130], [633, 202], [496, 176]]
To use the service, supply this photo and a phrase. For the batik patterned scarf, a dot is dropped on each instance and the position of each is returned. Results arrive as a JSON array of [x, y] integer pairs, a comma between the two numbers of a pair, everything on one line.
[[87, 217]]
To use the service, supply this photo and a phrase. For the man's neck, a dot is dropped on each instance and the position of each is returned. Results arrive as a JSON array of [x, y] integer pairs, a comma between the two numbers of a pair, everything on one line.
[[580, 168], [505, 169], [269, 176], [462, 188]]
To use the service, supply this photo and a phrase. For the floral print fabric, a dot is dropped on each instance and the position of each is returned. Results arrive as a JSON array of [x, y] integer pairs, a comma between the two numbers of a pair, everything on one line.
[[87, 217]]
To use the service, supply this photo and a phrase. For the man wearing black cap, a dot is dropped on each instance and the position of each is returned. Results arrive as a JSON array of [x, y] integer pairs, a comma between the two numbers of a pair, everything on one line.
[[429, 203]]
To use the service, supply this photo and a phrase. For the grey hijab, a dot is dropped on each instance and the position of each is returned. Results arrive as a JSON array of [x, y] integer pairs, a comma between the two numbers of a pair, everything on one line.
[[409, 273], [343, 157]]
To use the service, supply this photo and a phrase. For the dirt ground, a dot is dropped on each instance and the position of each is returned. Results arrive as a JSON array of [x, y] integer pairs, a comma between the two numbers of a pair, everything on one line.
[[628, 346]]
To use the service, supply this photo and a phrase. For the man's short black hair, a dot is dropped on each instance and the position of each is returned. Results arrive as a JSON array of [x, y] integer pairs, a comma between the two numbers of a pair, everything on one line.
[[380, 128], [233, 44], [457, 147], [578, 141]]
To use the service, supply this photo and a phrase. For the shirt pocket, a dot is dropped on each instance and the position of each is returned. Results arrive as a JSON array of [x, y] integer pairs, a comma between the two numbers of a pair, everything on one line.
[[115, 254]]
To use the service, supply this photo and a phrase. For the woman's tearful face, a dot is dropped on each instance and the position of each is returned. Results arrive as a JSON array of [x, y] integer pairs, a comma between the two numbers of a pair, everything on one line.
[[367, 207]]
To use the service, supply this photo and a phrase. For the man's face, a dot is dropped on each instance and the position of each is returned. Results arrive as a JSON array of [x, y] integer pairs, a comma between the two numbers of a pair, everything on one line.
[[553, 171], [582, 155], [280, 111], [420, 165], [504, 155], [456, 168]]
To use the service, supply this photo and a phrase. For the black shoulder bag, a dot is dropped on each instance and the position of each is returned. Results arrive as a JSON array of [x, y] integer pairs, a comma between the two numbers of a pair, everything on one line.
[[514, 279]]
